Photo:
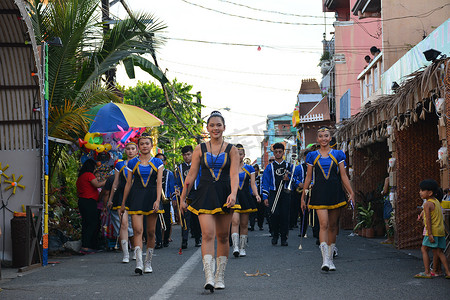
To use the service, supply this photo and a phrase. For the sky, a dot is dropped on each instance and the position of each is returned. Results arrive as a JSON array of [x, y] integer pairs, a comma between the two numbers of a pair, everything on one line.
[[235, 77]]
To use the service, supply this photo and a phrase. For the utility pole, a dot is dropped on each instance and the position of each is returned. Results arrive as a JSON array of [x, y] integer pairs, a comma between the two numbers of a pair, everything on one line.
[[111, 73], [199, 113]]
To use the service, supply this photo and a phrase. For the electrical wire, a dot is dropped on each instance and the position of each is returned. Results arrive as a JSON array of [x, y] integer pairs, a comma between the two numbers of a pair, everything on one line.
[[423, 15], [240, 71], [253, 19], [276, 12]]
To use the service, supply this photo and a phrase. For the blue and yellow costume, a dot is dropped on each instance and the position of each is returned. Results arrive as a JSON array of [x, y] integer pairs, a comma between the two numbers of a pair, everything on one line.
[[143, 191], [273, 179], [192, 223], [168, 182], [180, 176], [214, 187], [121, 168], [327, 192], [244, 196]]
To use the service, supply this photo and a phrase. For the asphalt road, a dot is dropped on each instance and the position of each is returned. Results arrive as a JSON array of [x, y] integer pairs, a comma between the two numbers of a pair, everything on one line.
[[365, 270]]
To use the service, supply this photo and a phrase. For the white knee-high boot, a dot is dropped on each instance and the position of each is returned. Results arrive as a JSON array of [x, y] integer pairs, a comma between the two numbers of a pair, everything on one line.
[[126, 255], [242, 245], [148, 261], [325, 261], [235, 240], [330, 257], [208, 267], [139, 263], [220, 272]]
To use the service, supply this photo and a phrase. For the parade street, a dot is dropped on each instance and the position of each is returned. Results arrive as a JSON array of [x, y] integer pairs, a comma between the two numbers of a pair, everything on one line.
[[366, 269]]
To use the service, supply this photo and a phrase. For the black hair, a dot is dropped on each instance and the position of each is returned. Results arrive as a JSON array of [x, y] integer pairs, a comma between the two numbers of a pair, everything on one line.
[[163, 155], [256, 166], [367, 58], [333, 142], [240, 147], [278, 146], [145, 135], [186, 149], [216, 113], [433, 186], [374, 49], [88, 166]]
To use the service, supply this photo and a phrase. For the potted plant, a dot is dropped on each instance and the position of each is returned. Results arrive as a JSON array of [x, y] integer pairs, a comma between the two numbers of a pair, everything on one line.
[[365, 215]]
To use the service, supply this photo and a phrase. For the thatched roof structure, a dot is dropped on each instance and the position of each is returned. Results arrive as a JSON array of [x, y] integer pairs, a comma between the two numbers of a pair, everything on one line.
[[411, 101]]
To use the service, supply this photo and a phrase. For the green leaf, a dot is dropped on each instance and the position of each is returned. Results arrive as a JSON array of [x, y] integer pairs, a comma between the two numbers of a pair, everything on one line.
[[129, 67], [150, 68]]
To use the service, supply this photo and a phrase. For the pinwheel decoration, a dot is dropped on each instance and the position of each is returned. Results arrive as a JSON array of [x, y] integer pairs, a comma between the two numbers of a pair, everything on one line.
[[2, 171], [13, 183]]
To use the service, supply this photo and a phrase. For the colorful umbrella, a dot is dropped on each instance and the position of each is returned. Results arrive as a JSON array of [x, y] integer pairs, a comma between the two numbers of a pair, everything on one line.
[[126, 116]]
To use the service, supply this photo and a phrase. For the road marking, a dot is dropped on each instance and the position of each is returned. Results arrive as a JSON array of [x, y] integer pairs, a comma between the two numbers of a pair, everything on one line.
[[166, 291]]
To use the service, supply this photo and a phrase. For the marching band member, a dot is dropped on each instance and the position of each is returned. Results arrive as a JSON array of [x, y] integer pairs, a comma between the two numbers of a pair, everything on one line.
[[327, 195], [275, 177], [259, 215], [145, 195], [239, 223], [215, 198], [191, 219], [162, 236], [115, 201]]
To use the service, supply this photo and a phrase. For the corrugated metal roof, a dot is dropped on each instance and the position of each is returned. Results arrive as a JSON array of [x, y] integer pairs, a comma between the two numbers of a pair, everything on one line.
[[20, 92]]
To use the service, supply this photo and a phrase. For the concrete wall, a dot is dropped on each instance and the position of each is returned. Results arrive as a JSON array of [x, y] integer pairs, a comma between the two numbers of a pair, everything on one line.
[[28, 164], [399, 35]]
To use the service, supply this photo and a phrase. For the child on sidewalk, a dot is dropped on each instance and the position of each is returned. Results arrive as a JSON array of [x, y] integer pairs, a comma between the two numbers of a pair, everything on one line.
[[433, 220]]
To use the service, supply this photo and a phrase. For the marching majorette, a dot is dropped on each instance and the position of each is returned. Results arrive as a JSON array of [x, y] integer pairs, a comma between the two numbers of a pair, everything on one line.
[[276, 194], [239, 223], [122, 224], [327, 195], [168, 182], [144, 186], [215, 199], [190, 219]]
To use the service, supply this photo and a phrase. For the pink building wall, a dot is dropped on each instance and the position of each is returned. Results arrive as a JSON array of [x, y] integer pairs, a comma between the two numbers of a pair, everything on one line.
[[354, 41]]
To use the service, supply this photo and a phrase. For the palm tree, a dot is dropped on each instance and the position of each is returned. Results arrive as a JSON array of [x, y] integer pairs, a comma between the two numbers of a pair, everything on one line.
[[76, 70]]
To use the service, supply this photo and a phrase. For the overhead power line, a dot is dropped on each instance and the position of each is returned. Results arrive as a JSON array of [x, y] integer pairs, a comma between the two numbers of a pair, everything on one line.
[[422, 15], [275, 12], [253, 19]]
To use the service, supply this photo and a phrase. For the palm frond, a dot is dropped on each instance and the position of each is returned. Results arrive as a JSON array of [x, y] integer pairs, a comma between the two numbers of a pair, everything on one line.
[[96, 94], [67, 122], [128, 37]]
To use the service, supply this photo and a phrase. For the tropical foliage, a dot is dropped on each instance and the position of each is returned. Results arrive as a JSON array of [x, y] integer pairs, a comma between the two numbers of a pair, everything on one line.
[[76, 69], [172, 135]]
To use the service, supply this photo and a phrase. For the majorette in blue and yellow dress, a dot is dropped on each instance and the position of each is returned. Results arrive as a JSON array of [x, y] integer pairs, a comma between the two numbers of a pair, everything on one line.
[[214, 187], [121, 168], [327, 192], [244, 196], [143, 191]]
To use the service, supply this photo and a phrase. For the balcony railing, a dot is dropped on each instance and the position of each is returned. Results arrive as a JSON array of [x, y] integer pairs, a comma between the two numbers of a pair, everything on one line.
[[311, 118], [370, 79]]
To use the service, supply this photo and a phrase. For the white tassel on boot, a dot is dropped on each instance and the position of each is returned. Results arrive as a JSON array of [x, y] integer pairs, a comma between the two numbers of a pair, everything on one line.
[[220, 272], [148, 261], [139, 263], [208, 267], [242, 245], [330, 257], [126, 255], [235, 240], [325, 261]]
